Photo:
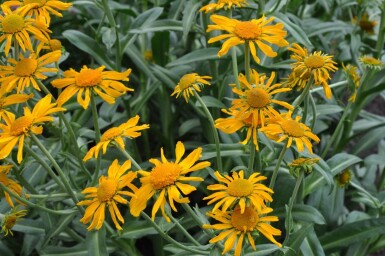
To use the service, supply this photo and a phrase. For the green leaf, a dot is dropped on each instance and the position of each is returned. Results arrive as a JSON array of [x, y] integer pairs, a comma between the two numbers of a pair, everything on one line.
[[328, 109], [311, 245], [317, 27], [297, 238], [196, 56], [108, 37], [262, 250], [88, 45], [233, 150], [293, 29], [210, 101], [351, 233], [160, 25], [369, 140], [59, 227], [146, 18], [96, 242], [189, 17], [137, 229], [160, 44], [188, 125], [30, 242], [302, 212]]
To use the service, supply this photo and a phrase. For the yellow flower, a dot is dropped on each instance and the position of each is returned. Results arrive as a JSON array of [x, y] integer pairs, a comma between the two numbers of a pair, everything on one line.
[[235, 226], [256, 100], [10, 220], [317, 64], [344, 178], [104, 83], [188, 83], [10, 100], [223, 4], [16, 26], [53, 45], [116, 134], [371, 62], [10, 184], [108, 194], [305, 164], [23, 72], [167, 179], [235, 123], [365, 24], [40, 9], [352, 73], [240, 191], [15, 130], [249, 32], [297, 79], [282, 127]]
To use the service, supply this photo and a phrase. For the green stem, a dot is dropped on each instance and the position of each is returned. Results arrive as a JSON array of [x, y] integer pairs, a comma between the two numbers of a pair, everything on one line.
[[214, 130], [275, 172], [21, 178], [112, 22], [185, 232], [252, 157], [320, 88], [261, 7], [128, 156], [305, 91], [57, 195], [235, 67], [71, 132], [95, 118], [314, 111], [275, 7], [291, 203], [247, 61], [30, 204], [196, 219], [380, 40], [169, 239], [59, 171], [337, 130]]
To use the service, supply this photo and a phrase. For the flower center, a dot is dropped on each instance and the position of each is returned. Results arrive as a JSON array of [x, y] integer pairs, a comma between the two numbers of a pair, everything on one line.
[[247, 30], [240, 188], [314, 61], [258, 98], [25, 67], [88, 78], [344, 177], [246, 221], [111, 134], [40, 2], [12, 23], [107, 190], [293, 128], [55, 44], [164, 175], [21, 125], [367, 25], [10, 221], [187, 80]]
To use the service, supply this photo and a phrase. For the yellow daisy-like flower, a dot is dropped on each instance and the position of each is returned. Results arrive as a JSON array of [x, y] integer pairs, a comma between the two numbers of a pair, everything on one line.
[[240, 191], [40, 9], [10, 220], [24, 71], [249, 32], [104, 83], [371, 62], [343, 178], [11, 99], [188, 83], [167, 179], [317, 64], [296, 80], [108, 194], [53, 45], [16, 130], [235, 123], [257, 99], [223, 4], [305, 164], [16, 26], [236, 226], [116, 134], [10, 184], [282, 127], [352, 74]]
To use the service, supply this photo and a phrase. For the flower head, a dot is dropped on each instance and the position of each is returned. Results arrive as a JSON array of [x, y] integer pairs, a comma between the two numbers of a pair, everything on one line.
[[237, 190], [167, 179], [16, 130], [108, 194], [366, 24], [53, 45], [256, 100], [353, 75], [16, 26], [40, 9], [305, 164], [317, 64], [297, 79], [188, 83], [343, 178], [24, 71], [7, 100], [104, 83], [236, 225], [116, 134], [223, 4], [371, 62], [10, 220], [10, 184], [282, 127], [248, 32]]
